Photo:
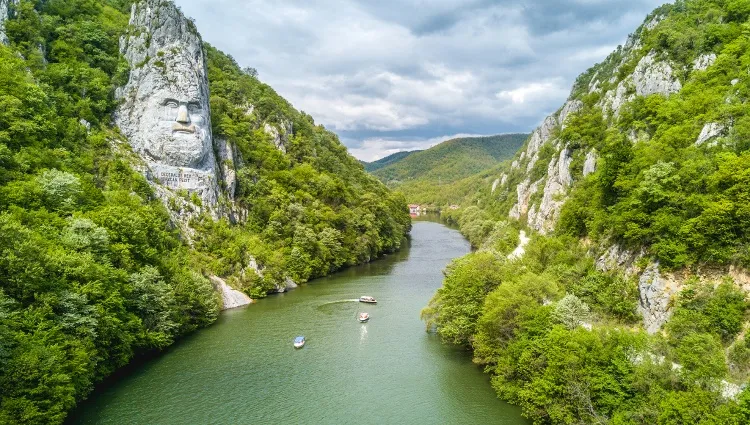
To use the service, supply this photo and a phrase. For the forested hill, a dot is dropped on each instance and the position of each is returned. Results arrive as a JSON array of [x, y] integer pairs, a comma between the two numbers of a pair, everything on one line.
[[630, 303], [109, 233], [420, 175], [452, 160], [388, 160]]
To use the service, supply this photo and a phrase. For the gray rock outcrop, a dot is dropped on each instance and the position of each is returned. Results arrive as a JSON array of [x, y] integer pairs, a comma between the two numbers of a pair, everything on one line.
[[165, 104], [558, 180], [495, 184], [653, 22], [653, 76], [230, 297], [710, 131], [571, 107], [285, 286], [655, 292], [280, 138], [617, 98], [589, 165], [4, 6], [616, 257], [704, 61], [227, 160], [539, 137], [523, 191]]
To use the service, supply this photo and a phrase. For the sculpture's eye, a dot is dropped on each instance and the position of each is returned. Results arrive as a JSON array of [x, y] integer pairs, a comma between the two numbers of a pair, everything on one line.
[[172, 104], [194, 108]]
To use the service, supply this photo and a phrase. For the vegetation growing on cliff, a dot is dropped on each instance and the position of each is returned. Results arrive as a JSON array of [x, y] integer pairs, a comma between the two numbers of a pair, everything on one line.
[[654, 189], [311, 210], [562, 366], [92, 271]]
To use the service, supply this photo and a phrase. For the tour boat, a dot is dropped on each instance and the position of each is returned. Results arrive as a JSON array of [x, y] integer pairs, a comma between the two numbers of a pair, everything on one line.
[[363, 317], [299, 342], [366, 299]]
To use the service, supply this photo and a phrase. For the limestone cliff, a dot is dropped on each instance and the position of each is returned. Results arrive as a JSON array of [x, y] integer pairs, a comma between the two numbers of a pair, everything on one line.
[[652, 73], [4, 9], [554, 161], [558, 181]]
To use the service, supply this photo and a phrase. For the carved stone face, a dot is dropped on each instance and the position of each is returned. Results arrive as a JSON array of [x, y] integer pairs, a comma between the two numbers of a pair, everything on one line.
[[171, 119], [165, 113]]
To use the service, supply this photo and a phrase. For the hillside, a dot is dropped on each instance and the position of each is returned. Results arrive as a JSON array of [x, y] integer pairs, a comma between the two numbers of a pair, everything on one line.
[[424, 175], [388, 160], [132, 202], [630, 304]]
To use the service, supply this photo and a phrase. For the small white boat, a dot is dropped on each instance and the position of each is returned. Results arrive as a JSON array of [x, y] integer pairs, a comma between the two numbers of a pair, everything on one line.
[[299, 342], [367, 299], [363, 317]]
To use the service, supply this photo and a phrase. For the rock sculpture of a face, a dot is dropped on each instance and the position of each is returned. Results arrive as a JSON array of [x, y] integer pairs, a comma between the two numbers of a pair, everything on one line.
[[165, 111]]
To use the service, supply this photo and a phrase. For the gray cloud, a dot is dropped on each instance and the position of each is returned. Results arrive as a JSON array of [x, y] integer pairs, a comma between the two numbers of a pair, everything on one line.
[[403, 73]]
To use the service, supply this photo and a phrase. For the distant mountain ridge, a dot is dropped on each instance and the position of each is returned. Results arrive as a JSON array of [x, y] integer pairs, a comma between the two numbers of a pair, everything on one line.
[[417, 174], [386, 161]]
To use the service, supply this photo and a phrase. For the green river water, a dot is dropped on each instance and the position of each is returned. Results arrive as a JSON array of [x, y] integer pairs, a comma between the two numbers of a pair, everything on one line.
[[244, 370]]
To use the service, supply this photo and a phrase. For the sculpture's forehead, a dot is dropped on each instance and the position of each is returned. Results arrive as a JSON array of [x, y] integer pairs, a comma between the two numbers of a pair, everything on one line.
[[182, 91], [173, 80]]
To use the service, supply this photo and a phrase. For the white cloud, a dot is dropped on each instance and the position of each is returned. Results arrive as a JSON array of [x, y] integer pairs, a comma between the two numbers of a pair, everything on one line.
[[376, 70], [532, 92]]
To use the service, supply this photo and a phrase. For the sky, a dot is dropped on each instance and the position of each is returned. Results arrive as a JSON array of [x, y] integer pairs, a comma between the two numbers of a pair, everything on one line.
[[393, 75]]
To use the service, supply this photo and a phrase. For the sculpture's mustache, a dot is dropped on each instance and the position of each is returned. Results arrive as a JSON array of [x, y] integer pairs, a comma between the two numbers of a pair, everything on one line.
[[182, 128]]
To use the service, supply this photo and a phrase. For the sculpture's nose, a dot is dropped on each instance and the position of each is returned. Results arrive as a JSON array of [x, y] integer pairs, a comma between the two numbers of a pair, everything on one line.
[[182, 115]]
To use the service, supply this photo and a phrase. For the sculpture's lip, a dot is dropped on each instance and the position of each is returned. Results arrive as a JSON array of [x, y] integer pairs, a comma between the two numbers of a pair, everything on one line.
[[181, 128]]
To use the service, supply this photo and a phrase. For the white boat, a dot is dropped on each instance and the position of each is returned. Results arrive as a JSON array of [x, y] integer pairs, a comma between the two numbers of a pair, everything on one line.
[[299, 342], [363, 317], [367, 299]]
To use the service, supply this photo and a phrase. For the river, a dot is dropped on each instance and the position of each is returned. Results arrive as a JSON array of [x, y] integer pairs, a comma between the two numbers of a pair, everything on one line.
[[244, 370]]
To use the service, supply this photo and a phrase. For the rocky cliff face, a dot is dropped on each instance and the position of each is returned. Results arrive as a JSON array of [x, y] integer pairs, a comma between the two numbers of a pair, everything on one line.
[[279, 134], [539, 200], [165, 114], [4, 6], [559, 180], [655, 293], [652, 74]]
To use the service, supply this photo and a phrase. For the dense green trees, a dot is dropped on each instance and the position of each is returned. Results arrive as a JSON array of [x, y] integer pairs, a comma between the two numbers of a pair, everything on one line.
[[92, 271], [557, 337], [686, 202]]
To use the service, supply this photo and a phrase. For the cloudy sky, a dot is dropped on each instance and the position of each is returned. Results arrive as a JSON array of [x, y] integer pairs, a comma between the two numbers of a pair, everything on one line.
[[390, 75]]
